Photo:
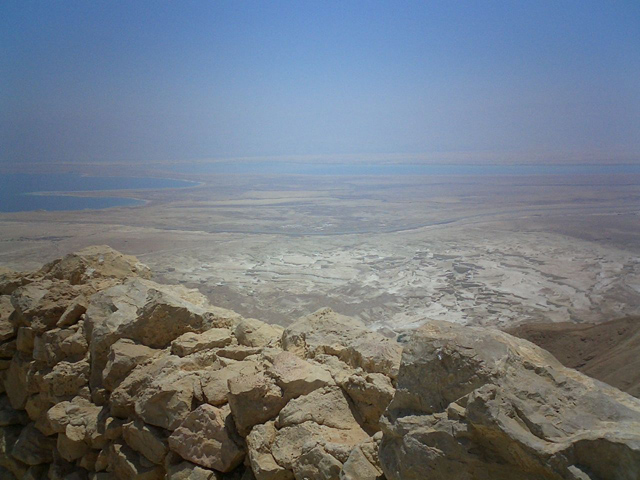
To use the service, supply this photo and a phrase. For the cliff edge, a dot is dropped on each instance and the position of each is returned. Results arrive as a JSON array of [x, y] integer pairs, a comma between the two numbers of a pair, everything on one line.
[[107, 374]]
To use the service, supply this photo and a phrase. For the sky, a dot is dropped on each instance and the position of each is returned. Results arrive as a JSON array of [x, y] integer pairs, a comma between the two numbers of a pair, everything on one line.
[[152, 81]]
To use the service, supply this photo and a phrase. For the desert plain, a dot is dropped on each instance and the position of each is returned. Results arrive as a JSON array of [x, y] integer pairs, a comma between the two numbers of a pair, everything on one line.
[[393, 251]]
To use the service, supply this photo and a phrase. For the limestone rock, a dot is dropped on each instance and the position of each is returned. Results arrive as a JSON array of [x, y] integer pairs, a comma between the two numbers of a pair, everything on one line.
[[215, 383], [124, 356], [259, 444], [478, 403], [207, 438], [20, 381], [363, 463], [147, 440], [126, 464], [40, 304], [70, 449], [190, 471], [191, 342], [326, 406], [25, 340], [254, 399], [146, 312], [58, 344], [10, 280], [297, 377], [94, 263], [371, 394], [32, 447], [254, 333], [326, 332], [8, 349], [10, 416], [65, 379], [7, 329], [74, 311], [8, 438]]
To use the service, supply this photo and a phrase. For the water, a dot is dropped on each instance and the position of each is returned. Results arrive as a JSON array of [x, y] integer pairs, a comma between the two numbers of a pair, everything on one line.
[[17, 191], [283, 168]]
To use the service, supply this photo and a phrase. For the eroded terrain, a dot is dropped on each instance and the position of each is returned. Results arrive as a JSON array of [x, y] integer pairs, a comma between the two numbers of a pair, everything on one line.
[[392, 251]]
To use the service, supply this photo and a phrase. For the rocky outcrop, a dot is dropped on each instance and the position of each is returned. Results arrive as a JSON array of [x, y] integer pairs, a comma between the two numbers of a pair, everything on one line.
[[107, 374], [478, 403]]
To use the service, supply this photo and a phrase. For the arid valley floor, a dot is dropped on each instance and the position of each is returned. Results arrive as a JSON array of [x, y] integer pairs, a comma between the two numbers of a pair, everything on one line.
[[393, 251]]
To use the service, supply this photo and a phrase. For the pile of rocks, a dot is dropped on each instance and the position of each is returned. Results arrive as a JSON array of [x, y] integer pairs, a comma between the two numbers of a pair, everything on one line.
[[106, 374]]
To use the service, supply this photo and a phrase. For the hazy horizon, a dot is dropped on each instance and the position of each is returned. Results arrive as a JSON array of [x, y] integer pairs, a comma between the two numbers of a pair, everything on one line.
[[471, 82]]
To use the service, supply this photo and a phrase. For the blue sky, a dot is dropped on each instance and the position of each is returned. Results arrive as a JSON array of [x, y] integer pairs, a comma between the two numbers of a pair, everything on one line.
[[154, 81]]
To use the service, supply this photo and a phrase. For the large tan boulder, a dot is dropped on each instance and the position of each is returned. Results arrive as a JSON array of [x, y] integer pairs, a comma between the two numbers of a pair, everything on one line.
[[40, 304], [93, 264], [147, 440], [20, 381], [254, 333], [311, 438], [363, 462], [256, 398], [10, 280], [124, 356], [126, 464], [326, 332], [215, 382], [150, 314], [161, 391], [7, 329], [364, 363], [478, 403], [207, 437], [190, 471], [191, 342]]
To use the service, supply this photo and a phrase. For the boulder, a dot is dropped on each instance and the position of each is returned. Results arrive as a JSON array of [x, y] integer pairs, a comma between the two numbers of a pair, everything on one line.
[[8, 349], [7, 329], [478, 403], [126, 464], [326, 332], [66, 379], [215, 383], [190, 471], [8, 438], [124, 356], [32, 447], [363, 462], [94, 264], [25, 340], [10, 280], [259, 444], [146, 312], [20, 381], [254, 333], [9, 415], [146, 440], [40, 304], [207, 437], [256, 398], [191, 342], [70, 449], [74, 311]]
